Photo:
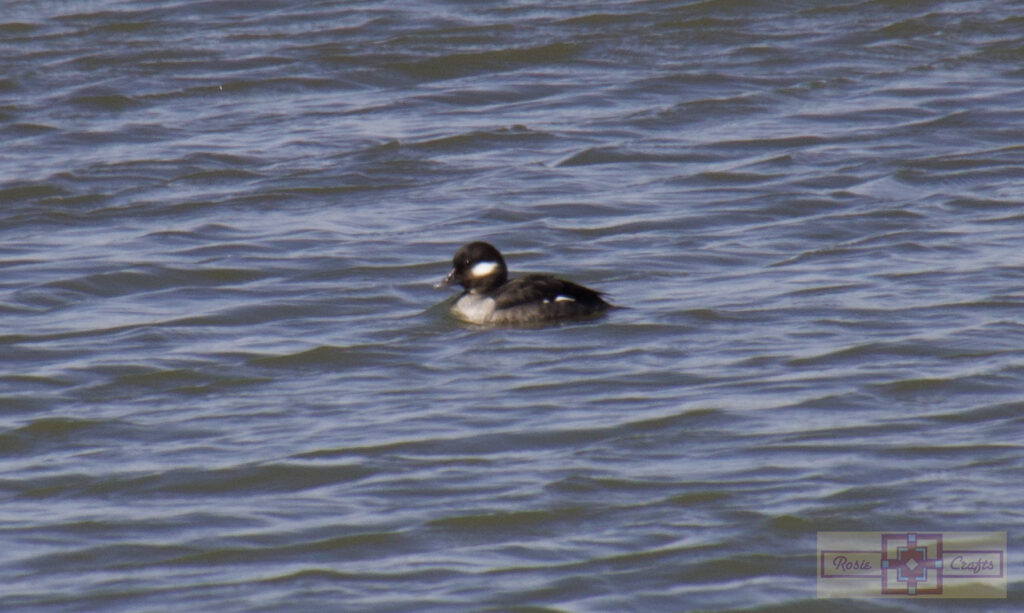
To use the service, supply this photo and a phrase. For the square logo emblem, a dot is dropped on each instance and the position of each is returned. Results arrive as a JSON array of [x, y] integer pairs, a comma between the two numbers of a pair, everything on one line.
[[911, 564]]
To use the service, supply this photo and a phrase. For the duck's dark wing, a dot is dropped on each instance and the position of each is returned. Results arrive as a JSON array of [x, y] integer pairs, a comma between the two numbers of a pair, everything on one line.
[[545, 297]]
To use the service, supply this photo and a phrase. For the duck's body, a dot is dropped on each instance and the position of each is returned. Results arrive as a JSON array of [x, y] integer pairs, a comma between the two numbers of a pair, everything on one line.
[[491, 298]]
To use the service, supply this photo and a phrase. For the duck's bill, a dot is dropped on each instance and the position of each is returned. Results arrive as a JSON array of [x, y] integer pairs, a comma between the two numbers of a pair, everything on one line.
[[448, 280]]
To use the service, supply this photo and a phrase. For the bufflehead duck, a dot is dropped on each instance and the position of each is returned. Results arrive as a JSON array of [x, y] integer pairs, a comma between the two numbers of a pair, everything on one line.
[[491, 298]]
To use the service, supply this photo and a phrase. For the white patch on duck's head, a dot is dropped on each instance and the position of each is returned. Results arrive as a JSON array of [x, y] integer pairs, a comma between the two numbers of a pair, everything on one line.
[[561, 298], [482, 269]]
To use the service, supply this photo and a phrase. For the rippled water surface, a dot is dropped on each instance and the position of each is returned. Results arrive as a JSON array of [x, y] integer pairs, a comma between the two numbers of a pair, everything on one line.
[[227, 384]]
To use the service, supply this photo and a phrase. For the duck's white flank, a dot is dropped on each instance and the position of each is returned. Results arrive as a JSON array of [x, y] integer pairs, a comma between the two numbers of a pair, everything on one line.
[[474, 308]]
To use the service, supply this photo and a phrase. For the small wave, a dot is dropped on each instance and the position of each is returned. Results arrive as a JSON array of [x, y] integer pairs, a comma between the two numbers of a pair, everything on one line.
[[497, 60]]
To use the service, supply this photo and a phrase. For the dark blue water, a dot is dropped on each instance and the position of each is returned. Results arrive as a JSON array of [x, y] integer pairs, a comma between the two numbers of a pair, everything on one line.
[[227, 384]]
